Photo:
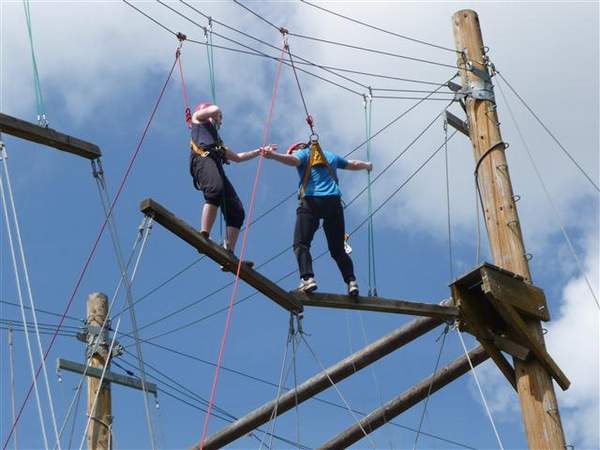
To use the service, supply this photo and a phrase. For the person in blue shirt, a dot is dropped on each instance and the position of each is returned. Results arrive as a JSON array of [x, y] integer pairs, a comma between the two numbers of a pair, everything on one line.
[[320, 199]]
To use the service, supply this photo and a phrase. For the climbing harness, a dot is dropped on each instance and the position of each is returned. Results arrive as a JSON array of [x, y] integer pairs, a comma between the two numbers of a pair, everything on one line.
[[316, 158]]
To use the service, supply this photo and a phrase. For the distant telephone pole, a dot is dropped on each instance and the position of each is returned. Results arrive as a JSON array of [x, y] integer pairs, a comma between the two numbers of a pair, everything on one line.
[[99, 435], [536, 392]]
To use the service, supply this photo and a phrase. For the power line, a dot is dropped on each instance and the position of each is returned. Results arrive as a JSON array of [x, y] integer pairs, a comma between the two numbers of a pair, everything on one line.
[[342, 44], [226, 38], [258, 16], [378, 28], [42, 311], [269, 45], [191, 395], [372, 50], [554, 138]]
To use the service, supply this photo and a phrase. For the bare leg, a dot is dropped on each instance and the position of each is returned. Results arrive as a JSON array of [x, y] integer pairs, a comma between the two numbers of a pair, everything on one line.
[[209, 215], [232, 236]]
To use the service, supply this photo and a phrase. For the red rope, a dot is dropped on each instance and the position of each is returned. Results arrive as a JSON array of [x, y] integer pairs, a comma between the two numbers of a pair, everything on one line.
[[186, 102], [213, 391], [93, 251]]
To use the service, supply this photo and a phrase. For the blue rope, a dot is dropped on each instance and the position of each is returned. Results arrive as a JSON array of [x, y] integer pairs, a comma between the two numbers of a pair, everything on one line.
[[368, 103], [210, 56], [39, 99]]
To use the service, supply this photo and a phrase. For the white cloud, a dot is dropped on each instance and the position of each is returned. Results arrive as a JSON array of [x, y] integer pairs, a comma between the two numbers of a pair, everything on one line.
[[108, 51], [573, 340]]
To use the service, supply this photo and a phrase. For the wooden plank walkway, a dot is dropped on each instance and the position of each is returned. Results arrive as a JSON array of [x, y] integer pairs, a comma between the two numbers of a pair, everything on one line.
[[377, 304], [49, 137], [217, 253], [292, 301]]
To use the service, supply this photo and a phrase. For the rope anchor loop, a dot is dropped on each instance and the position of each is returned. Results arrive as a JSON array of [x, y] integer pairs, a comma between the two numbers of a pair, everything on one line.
[[180, 37]]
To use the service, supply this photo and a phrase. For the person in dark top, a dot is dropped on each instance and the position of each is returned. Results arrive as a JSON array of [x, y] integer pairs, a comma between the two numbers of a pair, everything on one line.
[[207, 157], [320, 198]]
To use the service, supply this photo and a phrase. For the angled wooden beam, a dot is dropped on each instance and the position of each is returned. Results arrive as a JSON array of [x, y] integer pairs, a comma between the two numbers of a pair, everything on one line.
[[457, 123], [217, 253], [378, 304], [473, 313], [48, 136], [321, 381], [406, 400], [526, 338]]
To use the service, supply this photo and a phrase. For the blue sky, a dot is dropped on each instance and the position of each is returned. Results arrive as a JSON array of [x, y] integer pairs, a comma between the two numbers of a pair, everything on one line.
[[100, 78]]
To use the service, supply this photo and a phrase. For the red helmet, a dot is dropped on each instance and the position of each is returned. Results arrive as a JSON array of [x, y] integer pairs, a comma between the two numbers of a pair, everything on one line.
[[297, 146]]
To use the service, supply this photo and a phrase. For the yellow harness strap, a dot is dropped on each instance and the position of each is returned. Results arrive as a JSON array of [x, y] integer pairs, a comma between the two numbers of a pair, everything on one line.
[[202, 152], [316, 157]]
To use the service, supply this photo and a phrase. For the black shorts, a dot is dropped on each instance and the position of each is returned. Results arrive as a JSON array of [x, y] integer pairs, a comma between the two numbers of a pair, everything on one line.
[[209, 177]]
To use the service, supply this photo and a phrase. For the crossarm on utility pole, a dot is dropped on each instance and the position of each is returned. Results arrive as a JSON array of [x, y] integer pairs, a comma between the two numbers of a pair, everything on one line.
[[407, 399], [49, 137], [217, 253], [321, 381]]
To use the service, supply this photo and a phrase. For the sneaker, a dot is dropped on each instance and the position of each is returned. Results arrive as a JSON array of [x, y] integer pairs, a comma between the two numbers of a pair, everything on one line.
[[307, 286], [352, 288]]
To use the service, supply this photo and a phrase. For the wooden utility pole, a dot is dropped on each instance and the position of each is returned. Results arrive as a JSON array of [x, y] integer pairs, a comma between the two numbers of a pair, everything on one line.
[[99, 435], [536, 392]]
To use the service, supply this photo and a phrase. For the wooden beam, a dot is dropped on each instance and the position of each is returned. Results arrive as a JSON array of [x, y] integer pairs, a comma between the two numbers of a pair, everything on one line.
[[511, 347], [377, 304], [518, 325], [321, 381], [109, 377], [406, 400], [457, 123], [473, 311], [528, 299], [217, 253], [47, 136]]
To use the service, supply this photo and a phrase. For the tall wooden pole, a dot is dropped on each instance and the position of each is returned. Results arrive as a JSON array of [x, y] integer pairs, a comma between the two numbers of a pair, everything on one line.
[[536, 392], [99, 436]]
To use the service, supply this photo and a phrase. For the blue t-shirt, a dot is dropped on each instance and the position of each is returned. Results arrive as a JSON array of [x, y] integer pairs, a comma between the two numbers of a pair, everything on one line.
[[320, 183]]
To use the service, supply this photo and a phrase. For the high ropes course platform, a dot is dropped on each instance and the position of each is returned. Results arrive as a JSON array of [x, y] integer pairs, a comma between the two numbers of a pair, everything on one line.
[[497, 304]]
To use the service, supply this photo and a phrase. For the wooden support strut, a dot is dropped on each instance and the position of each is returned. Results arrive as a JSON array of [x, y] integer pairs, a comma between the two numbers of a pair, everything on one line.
[[406, 400], [321, 381], [49, 137]]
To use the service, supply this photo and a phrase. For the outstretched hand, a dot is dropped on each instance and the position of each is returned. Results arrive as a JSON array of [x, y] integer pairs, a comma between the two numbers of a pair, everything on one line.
[[268, 150]]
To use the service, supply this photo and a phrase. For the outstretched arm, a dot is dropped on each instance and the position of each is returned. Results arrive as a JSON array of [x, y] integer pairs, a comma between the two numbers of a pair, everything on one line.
[[288, 160], [354, 164], [245, 156]]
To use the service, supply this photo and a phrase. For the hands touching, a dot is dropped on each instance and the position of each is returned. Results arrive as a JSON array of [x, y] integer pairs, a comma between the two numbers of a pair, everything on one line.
[[268, 150]]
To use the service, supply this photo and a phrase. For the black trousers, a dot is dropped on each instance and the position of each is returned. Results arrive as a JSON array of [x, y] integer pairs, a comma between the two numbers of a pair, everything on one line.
[[308, 215], [209, 177]]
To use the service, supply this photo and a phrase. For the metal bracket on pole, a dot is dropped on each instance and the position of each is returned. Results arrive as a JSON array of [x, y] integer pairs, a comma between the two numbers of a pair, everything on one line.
[[480, 87]]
